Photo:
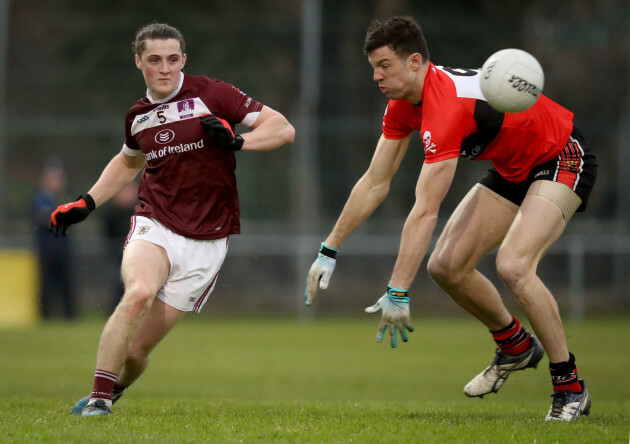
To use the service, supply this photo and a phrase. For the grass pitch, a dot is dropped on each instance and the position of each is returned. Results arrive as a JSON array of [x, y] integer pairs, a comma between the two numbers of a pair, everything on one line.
[[278, 380]]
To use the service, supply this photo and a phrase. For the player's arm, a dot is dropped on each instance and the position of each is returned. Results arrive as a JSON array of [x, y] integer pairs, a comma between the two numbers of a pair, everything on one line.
[[270, 130], [433, 184], [367, 194], [370, 191], [119, 172]]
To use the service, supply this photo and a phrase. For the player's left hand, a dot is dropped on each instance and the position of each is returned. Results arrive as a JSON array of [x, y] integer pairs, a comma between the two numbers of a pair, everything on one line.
[[394, 305], [221, 132]]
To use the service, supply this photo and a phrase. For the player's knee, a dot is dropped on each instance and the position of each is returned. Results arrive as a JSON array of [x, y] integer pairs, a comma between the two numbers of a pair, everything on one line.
[[441, 270], [136, 300], [513, 269]]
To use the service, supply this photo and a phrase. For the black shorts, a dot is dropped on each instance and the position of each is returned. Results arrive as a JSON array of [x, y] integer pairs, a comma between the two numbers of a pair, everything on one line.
[[576, 167]]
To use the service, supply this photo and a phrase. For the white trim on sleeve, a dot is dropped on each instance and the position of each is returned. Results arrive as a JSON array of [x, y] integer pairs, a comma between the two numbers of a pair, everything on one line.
[[128, 151], [250, 119]]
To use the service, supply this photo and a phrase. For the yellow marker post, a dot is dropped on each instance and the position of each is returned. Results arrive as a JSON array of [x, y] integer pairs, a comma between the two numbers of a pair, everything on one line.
[[18, 288]]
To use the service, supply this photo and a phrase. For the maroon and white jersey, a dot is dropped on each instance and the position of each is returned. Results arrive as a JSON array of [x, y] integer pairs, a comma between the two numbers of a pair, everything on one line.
[[189, 183]]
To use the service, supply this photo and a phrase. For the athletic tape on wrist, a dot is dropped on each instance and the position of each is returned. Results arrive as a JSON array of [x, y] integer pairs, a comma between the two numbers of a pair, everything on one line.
[[327, 251], [89, 202]]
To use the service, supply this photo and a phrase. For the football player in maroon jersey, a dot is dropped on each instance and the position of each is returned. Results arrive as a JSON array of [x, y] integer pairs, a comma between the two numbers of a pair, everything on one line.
[[181, 136], [542, 172]]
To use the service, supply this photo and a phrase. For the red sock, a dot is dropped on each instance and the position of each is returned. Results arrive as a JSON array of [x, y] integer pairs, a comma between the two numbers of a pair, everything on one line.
[[564, 375], [513, 339], [103, 385]]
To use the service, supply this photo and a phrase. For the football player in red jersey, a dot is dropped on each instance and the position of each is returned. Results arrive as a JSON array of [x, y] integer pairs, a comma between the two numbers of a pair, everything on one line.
[[181, 136], [542, 172]]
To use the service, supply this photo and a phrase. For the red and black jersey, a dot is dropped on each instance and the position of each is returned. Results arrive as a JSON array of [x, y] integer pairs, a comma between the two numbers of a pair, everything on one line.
[[455, 120], [189, 184]]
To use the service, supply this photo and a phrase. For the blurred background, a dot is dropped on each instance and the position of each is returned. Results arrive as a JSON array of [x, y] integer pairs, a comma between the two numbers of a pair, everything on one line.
[[67, 77]]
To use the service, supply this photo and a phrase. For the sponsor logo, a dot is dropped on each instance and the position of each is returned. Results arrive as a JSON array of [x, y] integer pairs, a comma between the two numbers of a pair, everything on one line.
[[143, 229], [563, 378], [522, 85], [486, 74], [165, 136], [143, 119], [249, 99], [177, 149], [426, 141], [186, 108], [474, 151], [541, 173], [192, 299]]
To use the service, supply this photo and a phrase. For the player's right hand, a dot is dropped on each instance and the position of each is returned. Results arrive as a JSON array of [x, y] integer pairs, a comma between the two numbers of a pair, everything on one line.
[[70, 213], [320, 272], [394, 307]]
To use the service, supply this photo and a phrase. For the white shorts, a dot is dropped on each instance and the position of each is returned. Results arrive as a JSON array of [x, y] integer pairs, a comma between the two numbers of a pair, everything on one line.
[[195, 263]]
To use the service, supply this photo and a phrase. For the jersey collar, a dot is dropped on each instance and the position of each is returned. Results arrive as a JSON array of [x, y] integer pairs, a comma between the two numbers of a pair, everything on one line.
[[428, 77], [173, 94]]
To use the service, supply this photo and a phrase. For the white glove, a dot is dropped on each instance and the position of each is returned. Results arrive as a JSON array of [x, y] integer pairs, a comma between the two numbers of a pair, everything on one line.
[[320, 272], [395, 307]]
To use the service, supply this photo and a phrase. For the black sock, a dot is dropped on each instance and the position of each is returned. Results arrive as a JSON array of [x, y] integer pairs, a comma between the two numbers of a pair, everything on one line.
[[564, 375]]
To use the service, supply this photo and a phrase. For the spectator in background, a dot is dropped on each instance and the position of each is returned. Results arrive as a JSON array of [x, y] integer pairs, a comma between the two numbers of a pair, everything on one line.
[[56, 288], [116, 224]]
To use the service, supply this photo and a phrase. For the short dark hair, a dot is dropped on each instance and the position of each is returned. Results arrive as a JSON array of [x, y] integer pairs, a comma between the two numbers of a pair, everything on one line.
[[402, 34], [156, 31]]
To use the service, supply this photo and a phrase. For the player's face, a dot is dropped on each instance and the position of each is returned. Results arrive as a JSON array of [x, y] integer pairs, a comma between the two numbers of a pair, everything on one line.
[[397, 78], [161, 64]]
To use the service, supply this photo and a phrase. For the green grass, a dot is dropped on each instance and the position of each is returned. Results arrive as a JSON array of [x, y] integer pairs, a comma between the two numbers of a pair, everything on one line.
[[276, 380]]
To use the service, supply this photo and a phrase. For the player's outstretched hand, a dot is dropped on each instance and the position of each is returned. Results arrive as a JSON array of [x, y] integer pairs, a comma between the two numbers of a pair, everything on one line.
[[320, 272], [221, 132], [70, 213], [394, 305]]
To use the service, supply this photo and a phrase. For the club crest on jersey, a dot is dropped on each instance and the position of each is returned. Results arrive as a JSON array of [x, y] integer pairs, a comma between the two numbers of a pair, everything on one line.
[[144, 229], [570, 165], [426, 141], [186, 108], [165, 136]]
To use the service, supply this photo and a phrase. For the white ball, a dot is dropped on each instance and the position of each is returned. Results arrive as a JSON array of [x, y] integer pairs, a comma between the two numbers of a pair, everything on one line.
[[511, 80]]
